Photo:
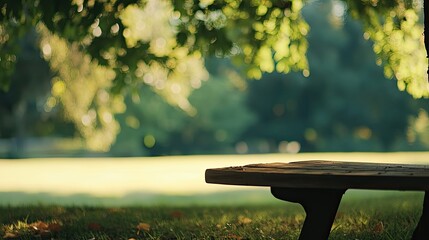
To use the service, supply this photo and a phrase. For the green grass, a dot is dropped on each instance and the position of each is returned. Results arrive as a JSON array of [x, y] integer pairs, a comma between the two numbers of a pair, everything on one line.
[[260, 196], [391, 216], [39, 208]]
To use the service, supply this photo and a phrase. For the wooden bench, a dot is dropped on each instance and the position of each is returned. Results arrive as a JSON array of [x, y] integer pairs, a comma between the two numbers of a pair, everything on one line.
[[319, 185]]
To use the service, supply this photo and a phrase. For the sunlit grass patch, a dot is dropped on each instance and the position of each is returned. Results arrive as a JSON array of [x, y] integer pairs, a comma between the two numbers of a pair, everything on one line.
[[175, 175]]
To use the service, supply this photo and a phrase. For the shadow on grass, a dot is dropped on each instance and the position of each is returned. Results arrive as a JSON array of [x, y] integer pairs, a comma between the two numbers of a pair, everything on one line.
[[227, 198]]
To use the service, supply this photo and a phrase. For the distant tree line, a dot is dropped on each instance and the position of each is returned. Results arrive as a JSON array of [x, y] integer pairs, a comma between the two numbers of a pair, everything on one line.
[[345, 104]]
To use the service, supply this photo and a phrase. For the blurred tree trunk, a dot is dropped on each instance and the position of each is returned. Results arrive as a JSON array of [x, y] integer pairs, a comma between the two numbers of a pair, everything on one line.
[[426, 23], [18, 142], [426, 31]]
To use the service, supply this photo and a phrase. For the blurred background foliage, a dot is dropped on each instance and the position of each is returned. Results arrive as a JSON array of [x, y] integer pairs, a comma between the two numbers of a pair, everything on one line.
[[113, 77]]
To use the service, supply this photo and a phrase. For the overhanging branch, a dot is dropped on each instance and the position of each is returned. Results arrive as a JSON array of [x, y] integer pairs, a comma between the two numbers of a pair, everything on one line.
[[426, 30]]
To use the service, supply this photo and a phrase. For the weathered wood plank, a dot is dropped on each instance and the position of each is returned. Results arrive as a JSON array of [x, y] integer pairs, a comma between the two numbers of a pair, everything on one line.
[[325, 174]]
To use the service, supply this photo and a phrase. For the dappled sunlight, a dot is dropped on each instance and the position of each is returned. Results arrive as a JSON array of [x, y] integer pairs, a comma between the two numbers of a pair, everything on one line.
[[418, 127], [82, 87], [92, 108], [398, 43], [143, 25], [183, 70], [179, 175]]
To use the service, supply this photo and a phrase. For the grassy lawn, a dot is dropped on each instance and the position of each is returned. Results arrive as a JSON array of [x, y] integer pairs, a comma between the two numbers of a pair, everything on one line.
[[170, 175], [384, 217], [167, 198]]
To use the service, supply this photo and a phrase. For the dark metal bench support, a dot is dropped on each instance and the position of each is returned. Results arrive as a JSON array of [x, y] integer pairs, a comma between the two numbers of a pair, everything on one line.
[[320, 206], [422, 230]]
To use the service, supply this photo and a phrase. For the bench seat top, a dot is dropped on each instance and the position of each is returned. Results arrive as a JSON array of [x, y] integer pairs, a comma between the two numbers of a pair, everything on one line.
[[325, 175]]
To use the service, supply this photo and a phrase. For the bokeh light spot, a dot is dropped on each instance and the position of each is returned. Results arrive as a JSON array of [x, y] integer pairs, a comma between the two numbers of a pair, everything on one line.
[[149, 141]]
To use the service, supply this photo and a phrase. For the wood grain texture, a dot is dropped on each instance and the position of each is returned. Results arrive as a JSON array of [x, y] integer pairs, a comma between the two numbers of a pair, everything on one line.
[[325, 174]]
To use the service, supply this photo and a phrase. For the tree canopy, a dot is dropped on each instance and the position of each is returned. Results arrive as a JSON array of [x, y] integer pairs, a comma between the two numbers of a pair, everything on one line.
[[100, 49], [346, 105]]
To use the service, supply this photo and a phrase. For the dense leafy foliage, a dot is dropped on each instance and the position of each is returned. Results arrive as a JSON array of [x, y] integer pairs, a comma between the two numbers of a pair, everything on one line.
[[396, 30], [266, 35], [346, 104], [120, 34]]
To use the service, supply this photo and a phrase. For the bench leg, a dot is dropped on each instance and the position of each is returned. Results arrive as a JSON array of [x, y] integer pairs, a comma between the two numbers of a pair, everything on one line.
[[320, 206], [422, 230]]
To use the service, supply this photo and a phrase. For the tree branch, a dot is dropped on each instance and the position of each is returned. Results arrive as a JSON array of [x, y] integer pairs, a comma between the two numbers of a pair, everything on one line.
[[426, 29]]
